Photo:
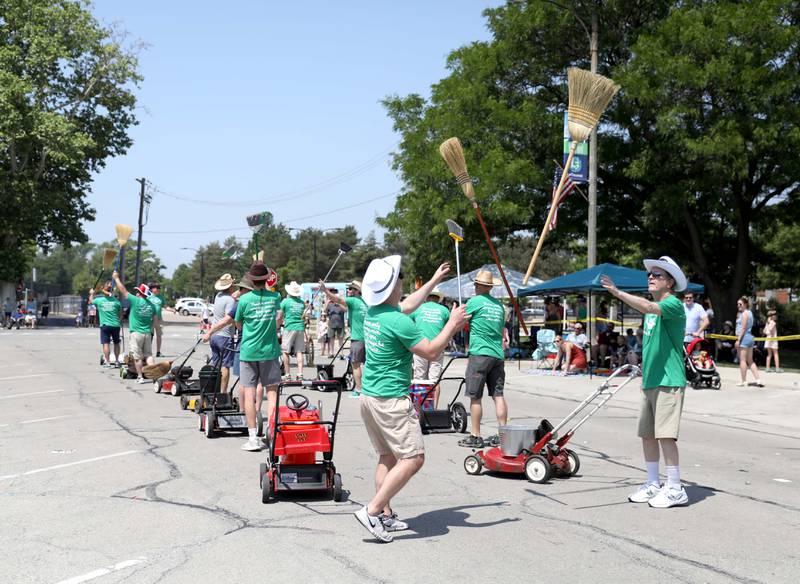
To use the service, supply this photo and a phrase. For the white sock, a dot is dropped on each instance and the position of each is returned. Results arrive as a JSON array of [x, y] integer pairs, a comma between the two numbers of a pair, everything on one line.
[[251, 432], [673, 477], [652, 472]]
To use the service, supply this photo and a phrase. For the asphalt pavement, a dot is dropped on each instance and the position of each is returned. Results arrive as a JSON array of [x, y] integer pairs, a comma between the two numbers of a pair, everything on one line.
[[102, 480]]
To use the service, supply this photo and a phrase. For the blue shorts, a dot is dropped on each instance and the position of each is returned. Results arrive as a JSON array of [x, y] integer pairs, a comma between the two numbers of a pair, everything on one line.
[[221, 351], [748, 342], [107, 333]]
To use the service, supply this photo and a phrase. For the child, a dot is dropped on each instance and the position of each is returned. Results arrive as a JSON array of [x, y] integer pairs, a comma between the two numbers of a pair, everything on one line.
[[322, 334], [79, 319], [771, 330]]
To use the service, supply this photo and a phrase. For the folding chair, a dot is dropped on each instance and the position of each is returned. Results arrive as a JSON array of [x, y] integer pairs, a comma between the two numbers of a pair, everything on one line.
[[546, 349]]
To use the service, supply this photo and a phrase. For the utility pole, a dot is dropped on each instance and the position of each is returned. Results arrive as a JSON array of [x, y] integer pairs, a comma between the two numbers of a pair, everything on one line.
[[142, 183], [314, 270]]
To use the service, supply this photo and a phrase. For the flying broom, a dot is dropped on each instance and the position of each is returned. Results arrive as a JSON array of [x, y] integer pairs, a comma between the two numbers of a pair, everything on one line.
[[453, 155], [109, 255], [157, 370], [589, 96]]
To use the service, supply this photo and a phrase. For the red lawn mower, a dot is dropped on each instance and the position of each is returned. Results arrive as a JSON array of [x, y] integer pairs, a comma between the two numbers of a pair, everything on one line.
[[300, 454], [539, 453]]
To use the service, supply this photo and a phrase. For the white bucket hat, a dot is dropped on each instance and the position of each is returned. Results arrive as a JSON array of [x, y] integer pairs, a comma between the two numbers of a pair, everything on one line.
[[379, 279], [293, 289], [667, 264]]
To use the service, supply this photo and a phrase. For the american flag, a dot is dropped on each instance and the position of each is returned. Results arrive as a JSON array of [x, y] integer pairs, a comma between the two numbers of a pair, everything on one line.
[[568, 186]]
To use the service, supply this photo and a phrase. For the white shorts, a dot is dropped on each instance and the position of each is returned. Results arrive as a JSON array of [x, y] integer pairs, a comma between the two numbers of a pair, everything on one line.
[[141, 345]]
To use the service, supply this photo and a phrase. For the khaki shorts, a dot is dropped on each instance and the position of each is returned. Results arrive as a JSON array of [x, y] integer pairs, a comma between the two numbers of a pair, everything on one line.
[[141, 345], [293, 340], [157, 327], [424, 369], [660, 414], [393, 426]]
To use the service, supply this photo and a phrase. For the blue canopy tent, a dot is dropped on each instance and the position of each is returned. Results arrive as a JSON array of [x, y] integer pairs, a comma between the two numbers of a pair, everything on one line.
[[588, 281]]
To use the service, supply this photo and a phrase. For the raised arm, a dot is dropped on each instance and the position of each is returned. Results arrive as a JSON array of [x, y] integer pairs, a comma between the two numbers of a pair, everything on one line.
[[123, 292], [636, 302], [413, 301], [335, 298]]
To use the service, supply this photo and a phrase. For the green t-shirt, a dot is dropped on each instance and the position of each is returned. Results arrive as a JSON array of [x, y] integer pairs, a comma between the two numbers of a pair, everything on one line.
[[388, 336], [141, 316], [293, 308], [356, 311], [662, 350], [486, 326], [157, 300], [430, 319], [258, 313], [108, 307]]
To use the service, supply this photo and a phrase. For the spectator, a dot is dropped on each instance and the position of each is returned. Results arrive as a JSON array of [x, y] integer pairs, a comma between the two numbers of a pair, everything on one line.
[[696, 318], [335, 314], [605, 339], [322, 335], [712, 326], [578, 338], [574, 357], [45, 308], [91, 311], [724, 347], [771, 331], [745, 342], [552, 316]]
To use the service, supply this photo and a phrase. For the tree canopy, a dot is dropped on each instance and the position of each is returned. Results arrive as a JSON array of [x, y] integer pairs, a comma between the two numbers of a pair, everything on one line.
[[66, 104], [702, 140]]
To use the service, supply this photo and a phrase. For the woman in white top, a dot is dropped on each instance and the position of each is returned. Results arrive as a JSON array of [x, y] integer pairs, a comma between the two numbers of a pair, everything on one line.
[[770, 331]]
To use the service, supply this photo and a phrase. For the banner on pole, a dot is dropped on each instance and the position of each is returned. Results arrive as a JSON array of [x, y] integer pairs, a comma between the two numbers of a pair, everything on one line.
[[579, 171]]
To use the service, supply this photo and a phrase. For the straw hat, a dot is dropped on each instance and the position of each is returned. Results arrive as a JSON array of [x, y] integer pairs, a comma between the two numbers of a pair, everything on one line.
[[667, 264], [293, 289], [380, 278], [436, 292], [486, 278], [225, 281], [355, 285]]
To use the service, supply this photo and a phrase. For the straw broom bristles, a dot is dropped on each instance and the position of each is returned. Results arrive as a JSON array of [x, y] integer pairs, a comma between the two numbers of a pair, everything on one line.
[[123, 233], [589, 96], [109, 255], [156, 370], [453, 155]]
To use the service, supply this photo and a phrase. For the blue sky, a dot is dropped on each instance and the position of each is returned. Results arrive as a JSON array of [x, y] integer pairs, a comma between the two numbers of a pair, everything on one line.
[[270, 106]]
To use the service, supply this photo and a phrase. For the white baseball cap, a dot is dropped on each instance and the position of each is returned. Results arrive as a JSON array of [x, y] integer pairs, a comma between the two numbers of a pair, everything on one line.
[[667, 264], [379, 279]]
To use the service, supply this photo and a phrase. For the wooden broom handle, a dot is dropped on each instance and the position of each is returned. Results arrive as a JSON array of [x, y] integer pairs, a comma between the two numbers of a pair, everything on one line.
[[553, 207], [500, 267]]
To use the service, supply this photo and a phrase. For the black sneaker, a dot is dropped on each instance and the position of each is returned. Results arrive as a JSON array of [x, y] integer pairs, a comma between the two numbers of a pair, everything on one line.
[[158, 354], [493, 440], [471, 442]]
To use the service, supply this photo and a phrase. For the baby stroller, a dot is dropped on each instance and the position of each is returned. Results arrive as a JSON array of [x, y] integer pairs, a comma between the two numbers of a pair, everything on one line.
[[701, 371]]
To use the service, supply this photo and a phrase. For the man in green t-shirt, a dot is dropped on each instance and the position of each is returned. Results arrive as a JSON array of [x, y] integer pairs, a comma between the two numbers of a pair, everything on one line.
[[391, 421], [356, 311], [259, 316], [430, 319], [663, 378], [110, 311], [157, 300], [294, 328], [140, 321], [486, 364]]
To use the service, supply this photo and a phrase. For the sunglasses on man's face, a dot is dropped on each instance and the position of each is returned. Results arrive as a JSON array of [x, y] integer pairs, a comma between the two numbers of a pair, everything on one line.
[[656, 275]]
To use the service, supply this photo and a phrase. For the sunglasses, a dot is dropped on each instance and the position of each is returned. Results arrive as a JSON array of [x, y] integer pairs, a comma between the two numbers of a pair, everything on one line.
[[656, 275]]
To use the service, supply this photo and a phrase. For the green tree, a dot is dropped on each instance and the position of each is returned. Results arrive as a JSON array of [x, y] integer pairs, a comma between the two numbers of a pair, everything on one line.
[[702, 139], [66, 104]]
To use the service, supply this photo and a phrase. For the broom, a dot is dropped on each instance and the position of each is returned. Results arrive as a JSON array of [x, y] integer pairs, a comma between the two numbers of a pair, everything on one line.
[[123, 233], [453, 155], [109, 255], [156, 370], [589, 96]]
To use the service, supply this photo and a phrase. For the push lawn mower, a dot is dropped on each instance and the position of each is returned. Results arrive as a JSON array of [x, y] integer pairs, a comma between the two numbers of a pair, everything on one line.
[[179, 379], [434, 421], [217, 411], [348, 380], [297, 435], [538, 453]]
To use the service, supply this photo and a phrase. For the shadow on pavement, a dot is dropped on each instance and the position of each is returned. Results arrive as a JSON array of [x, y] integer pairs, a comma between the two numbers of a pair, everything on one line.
[[439, 521]]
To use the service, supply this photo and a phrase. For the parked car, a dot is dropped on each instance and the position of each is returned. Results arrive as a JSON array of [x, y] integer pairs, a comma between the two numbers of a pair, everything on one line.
[[530, 313], [194, 306], [179, 302]]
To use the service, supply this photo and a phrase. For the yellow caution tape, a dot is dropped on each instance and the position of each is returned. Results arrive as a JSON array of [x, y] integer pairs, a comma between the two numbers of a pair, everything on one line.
[[734, 337], [574, 320]]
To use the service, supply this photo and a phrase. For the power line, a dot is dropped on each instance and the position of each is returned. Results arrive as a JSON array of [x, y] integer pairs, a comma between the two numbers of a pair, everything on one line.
[[324, 213], [288, 195]]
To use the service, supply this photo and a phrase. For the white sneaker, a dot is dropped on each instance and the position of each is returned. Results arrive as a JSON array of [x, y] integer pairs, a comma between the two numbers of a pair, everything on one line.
[[644, 493], [373, 524], [141, 380], [669, 496], [251, 446], [392, 523]]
